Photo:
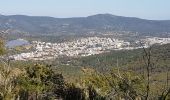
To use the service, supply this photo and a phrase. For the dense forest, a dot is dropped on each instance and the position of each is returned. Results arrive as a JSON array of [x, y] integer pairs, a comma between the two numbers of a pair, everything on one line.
[[141, 74]]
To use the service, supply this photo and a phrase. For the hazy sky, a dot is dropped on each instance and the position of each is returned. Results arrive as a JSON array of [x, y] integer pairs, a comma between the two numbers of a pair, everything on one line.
[[148, 9]]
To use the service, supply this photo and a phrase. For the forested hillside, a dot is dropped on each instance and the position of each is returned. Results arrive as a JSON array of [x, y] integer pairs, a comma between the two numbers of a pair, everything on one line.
[[96, 24]]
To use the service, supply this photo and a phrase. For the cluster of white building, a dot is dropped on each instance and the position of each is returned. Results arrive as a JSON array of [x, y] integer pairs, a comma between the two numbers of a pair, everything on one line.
[[81, 47], [149, 41], [155, 40]]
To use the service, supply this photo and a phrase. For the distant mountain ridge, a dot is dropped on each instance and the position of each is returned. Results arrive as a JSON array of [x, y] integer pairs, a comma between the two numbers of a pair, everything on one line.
[[81, 25]]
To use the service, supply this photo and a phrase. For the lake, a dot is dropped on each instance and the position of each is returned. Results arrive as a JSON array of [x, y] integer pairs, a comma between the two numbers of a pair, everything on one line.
[[15, 43]]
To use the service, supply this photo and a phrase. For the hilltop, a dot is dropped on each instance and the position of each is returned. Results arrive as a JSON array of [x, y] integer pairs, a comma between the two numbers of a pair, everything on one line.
[[95, 24]]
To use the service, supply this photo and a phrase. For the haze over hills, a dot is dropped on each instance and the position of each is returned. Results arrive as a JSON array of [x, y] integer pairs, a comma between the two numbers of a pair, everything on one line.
[[81, 25]]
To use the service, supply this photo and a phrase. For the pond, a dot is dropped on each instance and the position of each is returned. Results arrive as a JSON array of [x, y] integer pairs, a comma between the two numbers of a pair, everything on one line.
[[15, 43]]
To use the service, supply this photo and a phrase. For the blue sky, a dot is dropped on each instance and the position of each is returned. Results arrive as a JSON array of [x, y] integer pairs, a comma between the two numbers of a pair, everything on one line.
[[147, 9]]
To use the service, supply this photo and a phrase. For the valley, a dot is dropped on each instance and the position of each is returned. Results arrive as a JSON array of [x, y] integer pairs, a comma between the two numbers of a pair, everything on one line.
[[102, 53]]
